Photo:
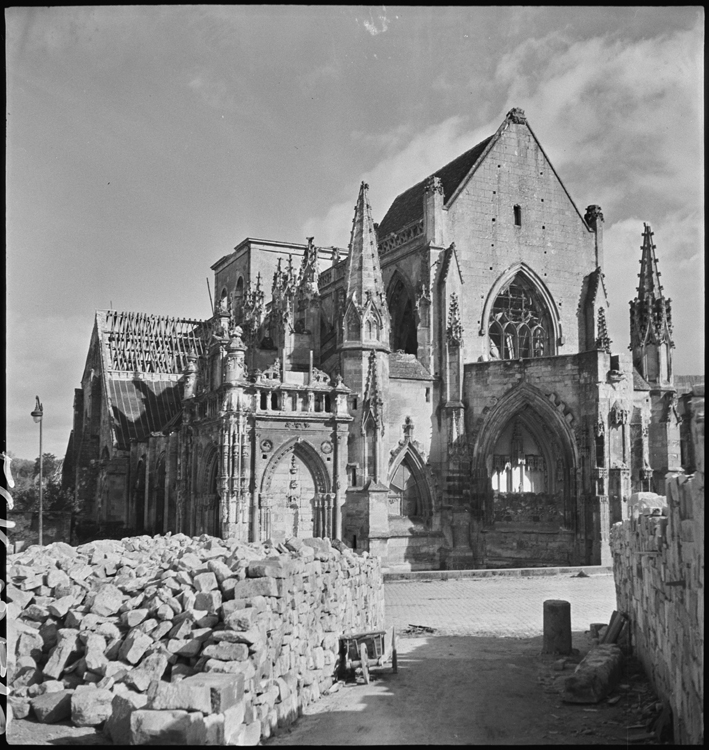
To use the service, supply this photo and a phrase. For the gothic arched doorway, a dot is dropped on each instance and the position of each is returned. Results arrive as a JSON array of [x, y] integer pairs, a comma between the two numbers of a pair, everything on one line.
[[525, 482], [295, 499]]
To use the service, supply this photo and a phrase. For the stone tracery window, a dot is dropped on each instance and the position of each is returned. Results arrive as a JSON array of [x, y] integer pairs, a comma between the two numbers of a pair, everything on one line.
[[519, 325]]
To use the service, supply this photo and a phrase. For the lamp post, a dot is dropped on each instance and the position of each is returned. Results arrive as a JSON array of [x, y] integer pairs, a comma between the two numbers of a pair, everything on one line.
[[37, 415]]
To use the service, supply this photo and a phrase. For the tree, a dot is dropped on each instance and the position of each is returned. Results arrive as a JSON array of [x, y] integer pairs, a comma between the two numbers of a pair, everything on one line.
[[25, 494]]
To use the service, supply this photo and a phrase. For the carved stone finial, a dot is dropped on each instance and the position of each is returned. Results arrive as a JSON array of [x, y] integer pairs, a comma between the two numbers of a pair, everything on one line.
[[517, 116], [593, 216], [434, 185], [603, 341], [454, 332]]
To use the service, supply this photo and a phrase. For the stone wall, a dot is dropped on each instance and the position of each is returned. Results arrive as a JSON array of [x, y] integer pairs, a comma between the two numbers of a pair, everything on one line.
[[178, 640], [658, 561]]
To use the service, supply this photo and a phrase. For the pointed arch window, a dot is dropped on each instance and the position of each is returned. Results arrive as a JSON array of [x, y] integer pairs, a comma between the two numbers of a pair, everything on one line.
[[353, 327], [519, 326], [403, 318]]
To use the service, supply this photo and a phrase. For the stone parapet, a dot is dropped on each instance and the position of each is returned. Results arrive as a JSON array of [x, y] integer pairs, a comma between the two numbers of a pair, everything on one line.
[[179, 640], [658, 559]]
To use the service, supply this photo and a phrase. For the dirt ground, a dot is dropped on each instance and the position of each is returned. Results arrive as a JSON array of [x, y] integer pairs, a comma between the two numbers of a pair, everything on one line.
[[472, 690], [448, 690]]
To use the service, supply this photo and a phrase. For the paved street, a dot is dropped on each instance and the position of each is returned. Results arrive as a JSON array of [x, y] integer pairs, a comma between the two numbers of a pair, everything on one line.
[[500, 606]]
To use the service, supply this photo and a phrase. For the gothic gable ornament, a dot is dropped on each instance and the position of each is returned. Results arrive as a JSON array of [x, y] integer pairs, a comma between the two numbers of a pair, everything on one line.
[[618, 415]]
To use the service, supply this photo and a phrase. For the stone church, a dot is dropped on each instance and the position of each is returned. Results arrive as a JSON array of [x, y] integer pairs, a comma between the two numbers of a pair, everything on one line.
[[442, 392]]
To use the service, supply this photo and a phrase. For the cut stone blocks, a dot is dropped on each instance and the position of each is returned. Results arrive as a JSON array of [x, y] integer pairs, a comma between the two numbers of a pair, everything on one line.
[[595, 676], [52, 707]]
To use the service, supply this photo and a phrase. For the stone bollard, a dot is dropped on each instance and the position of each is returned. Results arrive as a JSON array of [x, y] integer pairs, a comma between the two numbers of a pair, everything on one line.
[[557, 627]]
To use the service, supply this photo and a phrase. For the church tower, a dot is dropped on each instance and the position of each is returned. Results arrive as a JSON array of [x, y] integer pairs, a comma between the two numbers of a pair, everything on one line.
[[364, 364], [651, 344]]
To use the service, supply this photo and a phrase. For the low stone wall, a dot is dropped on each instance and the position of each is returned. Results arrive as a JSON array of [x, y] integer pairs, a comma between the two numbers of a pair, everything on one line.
[[172, 640], [658, 559]]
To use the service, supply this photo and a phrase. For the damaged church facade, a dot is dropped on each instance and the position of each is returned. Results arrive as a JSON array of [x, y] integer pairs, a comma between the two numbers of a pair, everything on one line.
[[442, 393]]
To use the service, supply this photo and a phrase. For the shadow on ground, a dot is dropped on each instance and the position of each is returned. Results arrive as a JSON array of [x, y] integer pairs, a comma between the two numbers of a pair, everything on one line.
[[469, 690]]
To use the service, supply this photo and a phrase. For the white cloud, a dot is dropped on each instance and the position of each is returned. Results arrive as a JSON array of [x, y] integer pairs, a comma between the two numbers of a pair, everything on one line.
[[376, 24], [622, 123], [400, 168]]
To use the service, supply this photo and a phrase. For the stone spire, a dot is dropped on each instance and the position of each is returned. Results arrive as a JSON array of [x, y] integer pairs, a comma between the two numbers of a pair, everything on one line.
[[366, 319], [651, 320], [364, 274], [650, 312], [649, 275]]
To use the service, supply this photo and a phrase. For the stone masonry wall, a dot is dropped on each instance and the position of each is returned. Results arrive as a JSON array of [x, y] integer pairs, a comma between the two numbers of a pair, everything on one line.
[[178, 640], [658, 563]]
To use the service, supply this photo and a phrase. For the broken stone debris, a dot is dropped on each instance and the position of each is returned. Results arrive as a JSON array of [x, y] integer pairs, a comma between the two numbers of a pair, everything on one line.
[[172, 639]]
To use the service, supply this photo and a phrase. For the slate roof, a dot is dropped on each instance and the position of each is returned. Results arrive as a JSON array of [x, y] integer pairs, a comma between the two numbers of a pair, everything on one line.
[[406, 366], [141, 406], [408, 206]]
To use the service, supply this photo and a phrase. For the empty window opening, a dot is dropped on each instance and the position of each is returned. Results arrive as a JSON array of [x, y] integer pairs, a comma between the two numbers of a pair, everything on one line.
[[518, 216], [264, 400], [274, 401], [328, 407], [428, 395]]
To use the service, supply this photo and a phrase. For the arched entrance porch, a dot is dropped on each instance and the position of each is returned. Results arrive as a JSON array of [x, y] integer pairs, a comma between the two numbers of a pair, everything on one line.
[[295, 497], [524, 465]]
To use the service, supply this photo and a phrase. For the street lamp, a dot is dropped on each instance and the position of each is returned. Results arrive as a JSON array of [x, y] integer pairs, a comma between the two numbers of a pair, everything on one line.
[[37, 415]]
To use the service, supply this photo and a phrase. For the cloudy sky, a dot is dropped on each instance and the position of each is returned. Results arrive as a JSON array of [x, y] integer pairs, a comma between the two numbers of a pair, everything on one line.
[[145, 142]]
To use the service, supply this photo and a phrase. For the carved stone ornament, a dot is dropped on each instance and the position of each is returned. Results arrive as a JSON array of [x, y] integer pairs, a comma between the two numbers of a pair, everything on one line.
[[266, 446], [618, 415], [600, 427], [593, 214], [517, 116], [434, 185], [326, 447]]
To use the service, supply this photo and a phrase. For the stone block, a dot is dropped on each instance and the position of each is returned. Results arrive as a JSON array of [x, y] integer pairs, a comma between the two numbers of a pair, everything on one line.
[[19, 708], [225, 651], [117, 726], [108, 600], [67, 647], [149, 727], [204, 582], [30, 644], [151, 668], [251, 587], [595, 676], [209, 601], [225, 690], [251, 735], [50, 708], [134, 646], [182, 695], [245, 668], [272, 567], [89, 708], [134, 617], [184, 646], [59, 607]]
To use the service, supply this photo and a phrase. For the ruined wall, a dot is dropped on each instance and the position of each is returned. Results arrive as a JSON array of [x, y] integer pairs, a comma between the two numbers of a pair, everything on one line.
[[658, 564], [183, 641]]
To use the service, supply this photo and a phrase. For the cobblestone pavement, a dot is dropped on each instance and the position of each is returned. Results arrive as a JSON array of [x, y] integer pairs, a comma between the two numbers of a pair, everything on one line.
[[497, 606]]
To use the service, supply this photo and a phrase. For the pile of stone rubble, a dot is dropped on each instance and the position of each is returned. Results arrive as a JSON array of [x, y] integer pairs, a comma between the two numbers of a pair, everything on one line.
[[171, 639]]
